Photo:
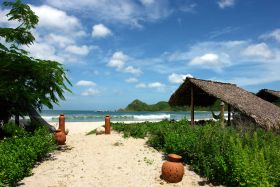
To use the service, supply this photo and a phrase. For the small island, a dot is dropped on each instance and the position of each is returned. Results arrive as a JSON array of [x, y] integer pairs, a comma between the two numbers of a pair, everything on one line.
[[163, 106]]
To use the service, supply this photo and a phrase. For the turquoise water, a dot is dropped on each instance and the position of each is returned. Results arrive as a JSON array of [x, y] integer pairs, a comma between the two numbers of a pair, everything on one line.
[[95, 116]]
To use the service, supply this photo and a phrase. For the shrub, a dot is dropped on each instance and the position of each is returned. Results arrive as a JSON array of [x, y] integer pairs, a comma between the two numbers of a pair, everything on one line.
[[223, 155], [18, 154], [11, 129]]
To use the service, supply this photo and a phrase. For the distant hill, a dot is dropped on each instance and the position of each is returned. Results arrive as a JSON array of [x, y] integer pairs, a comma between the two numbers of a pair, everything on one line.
[[138, 105]]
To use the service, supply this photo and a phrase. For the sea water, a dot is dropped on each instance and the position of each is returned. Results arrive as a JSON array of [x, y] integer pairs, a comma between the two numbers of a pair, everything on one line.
[[95, 116]]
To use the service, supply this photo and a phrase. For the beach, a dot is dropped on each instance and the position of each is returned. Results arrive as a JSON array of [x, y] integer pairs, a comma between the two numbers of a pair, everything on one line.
[[103, 160]]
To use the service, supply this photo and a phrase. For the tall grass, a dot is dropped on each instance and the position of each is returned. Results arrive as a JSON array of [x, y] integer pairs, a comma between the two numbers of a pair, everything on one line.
[[223, 155]]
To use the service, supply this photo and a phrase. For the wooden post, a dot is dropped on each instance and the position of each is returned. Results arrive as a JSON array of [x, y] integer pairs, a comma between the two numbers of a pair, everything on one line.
[[192, 106], [229, 114], [107, 125], [222, 114], [17, 119]]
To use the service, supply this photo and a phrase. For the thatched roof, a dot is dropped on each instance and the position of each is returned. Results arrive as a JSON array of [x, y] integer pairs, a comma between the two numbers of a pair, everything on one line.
[[265, 114], [269, 95]]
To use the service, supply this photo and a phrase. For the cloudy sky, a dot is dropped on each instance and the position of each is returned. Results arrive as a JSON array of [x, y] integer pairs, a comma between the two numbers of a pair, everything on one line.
[[117, 51]]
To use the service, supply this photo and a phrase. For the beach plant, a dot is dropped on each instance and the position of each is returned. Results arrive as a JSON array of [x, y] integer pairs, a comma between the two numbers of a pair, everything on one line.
[[224, 156], [148, 161], [27, 83], [91, 132], [19, 154], [11, 129]]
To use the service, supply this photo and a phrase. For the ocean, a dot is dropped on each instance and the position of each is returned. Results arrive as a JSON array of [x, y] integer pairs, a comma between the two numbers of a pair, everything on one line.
[[96, 116]]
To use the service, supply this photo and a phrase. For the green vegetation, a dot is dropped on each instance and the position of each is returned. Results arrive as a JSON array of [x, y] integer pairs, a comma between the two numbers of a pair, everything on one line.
[[223, 155], [277, 102], [91, 132], [26, 83], [138, 105], [20, 151]]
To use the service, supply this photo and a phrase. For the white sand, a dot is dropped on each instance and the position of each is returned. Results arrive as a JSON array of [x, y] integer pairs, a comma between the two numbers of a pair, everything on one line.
[[103, 160]]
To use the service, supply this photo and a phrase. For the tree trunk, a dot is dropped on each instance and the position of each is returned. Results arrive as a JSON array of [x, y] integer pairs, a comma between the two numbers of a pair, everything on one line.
[[35, 117]]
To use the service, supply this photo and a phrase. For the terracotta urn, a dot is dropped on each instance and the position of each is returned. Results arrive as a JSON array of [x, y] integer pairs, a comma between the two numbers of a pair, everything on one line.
[[173, 170], [62, 122], [60, 137]]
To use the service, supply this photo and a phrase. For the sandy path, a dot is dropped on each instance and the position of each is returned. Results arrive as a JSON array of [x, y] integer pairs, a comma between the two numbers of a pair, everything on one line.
[[104, 160]]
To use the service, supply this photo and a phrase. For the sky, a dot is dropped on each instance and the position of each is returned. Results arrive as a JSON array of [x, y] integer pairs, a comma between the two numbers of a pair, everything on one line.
[[118, 51]]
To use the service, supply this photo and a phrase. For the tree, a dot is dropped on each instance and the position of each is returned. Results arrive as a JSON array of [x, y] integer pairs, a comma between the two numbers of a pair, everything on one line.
[[26, 83]]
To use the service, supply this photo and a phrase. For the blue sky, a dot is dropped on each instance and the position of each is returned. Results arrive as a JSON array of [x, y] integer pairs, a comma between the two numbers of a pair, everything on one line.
[[117, 51]]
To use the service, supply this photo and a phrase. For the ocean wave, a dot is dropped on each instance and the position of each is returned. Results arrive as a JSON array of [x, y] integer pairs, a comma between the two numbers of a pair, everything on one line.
[[87, 117], [152, 117], [49, 118]]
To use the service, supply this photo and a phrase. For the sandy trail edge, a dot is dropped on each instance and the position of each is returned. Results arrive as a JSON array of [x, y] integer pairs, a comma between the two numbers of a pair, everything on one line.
[[104, 160]]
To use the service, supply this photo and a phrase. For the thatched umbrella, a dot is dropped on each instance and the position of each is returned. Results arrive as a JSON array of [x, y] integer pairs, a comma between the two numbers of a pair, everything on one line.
[[269, 95], [205, 93]]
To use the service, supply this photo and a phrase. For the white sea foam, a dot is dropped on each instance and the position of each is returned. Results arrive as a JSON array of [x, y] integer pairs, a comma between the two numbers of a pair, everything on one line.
[[49, 118], [152, 117]]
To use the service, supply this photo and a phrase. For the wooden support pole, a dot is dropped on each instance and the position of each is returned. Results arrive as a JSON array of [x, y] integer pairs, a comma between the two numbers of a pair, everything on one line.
[[192, 106], [222, 114], [229, 114], [17, 119]]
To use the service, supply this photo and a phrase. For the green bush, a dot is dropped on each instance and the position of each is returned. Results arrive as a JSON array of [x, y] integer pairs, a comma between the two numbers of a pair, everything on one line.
[[11, 129], [223, 155], [19, 154]]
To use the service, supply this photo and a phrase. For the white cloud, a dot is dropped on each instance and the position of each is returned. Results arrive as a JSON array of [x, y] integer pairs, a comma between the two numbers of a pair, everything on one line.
[[226, 3], [222, 31], [206, 59], [189, 8], [141, 85], [156, 85], [258, 50], [275, 34], [85, 83], [52, 18], [131, 80], [43, 51], [78, 50], [62, 41], [147, 2], [117, 60], [178, 78], [125, 11], [90, 91], [132, 70], [55, 36], [100, 31]]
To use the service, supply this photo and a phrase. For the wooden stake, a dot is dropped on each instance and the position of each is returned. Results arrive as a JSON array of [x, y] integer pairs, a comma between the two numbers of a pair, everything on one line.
[[192, 106], [17, 119], [222, 114], [229, 114]]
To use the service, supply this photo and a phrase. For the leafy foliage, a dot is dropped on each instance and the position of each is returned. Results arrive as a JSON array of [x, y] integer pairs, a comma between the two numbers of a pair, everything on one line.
[[26, 82], [19, 153], [223, 155]]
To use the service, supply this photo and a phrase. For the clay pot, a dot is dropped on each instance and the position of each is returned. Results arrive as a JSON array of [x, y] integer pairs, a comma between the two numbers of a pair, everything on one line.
[[173, 170], [62, 122], [60, 137]]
